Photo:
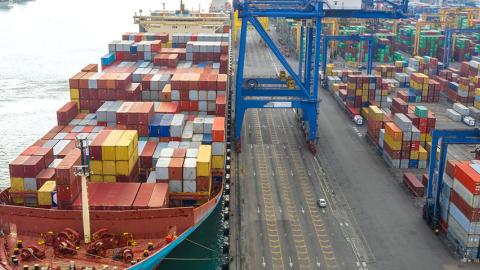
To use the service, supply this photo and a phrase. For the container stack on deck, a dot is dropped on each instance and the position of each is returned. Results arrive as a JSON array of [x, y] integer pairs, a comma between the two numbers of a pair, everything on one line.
[[149, 104], [460, 205], [403, 135]]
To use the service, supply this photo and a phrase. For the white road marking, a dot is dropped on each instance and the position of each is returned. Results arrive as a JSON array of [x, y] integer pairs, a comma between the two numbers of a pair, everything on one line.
[[317, 262], [263, 262], [290, 262]]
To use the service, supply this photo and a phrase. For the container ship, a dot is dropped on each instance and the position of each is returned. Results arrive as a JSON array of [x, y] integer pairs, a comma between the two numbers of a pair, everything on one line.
[[135, 164]]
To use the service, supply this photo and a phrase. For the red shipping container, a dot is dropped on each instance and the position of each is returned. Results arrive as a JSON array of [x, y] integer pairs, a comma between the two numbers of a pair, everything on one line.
[[95, 147], [222, 82], [67, 113], [74, 81], [44, 176], [147, 154], [179, 153], [159, 198], [33, 166], [143, 196], [472, 214], [17, 168], [30, 150], [218, 129], [411, 181], [203, 183], [175, 169], [66, 194], [65, 170]]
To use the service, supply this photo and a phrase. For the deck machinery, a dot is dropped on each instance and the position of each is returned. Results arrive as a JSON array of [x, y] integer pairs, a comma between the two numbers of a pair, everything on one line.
[[300, 89]]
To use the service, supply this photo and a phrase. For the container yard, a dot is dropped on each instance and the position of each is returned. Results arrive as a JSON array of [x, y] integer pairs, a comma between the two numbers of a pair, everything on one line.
[[260, 135]]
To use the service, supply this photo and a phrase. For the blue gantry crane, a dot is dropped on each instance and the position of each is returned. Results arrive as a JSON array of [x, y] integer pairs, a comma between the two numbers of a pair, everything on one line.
[[369, 38], [449, 42], [436, 171], [300, 91]]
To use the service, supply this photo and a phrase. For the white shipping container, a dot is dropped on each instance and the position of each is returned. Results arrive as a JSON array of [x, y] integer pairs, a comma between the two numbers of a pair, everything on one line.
[[453, 115], [175, 95], [465, 194], [173, 144], [174, 186], [198, 125], [208, 124], [211, 106], [189, 186], [192, 153], [461, 109], [202, 95], [193, 94], [202, 106], [197, 138], [161, 169], [166, 152], [218, 148], [189, 169], [151, 178], [212, 95], [30, 184]]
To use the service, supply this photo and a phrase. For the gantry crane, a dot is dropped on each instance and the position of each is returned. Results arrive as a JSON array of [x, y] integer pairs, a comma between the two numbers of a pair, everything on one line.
[[450, 42], [301, 92], [371, 43], [435, 173]]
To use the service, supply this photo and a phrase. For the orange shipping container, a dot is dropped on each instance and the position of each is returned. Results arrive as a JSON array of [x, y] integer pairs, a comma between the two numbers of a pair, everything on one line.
[[469, 177], [393, 131], [175, 169], [218, 129]]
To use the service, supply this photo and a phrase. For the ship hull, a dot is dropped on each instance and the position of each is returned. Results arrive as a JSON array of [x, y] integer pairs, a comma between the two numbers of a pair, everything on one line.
[[154, 260]]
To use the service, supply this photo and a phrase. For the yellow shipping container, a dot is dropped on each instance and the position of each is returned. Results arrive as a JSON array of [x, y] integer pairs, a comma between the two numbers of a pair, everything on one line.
[[375, 113], [124, 167], [45, 193], [169, 44], [428, 137], [394, 145], [477, 91], [16, 184], [76, 101], [96, 166], [108, 146], [85, 111], [109, 179], [17, 199], [476, 104], [96, 178], [422, 153], [413, 154], [125, 145], [422, 137], [204, 160], [74, 94], [109, 167], [218, 162], [364, 112]]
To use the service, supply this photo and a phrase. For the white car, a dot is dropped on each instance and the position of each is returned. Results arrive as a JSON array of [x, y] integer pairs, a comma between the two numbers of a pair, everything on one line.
[[322, 203]]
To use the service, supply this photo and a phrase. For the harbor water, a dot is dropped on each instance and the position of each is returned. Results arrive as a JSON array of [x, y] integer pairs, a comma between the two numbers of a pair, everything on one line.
[[43, 43]]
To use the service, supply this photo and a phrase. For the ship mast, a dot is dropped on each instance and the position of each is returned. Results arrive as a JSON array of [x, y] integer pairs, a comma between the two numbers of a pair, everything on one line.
[[84, 171]]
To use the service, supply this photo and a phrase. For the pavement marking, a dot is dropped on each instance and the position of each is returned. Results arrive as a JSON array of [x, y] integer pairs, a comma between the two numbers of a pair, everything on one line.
[[324, 240], [291, 209], [269, 210]]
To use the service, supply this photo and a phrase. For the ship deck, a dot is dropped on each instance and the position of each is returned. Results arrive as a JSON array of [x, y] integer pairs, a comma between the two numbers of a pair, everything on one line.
[[371, 221]]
